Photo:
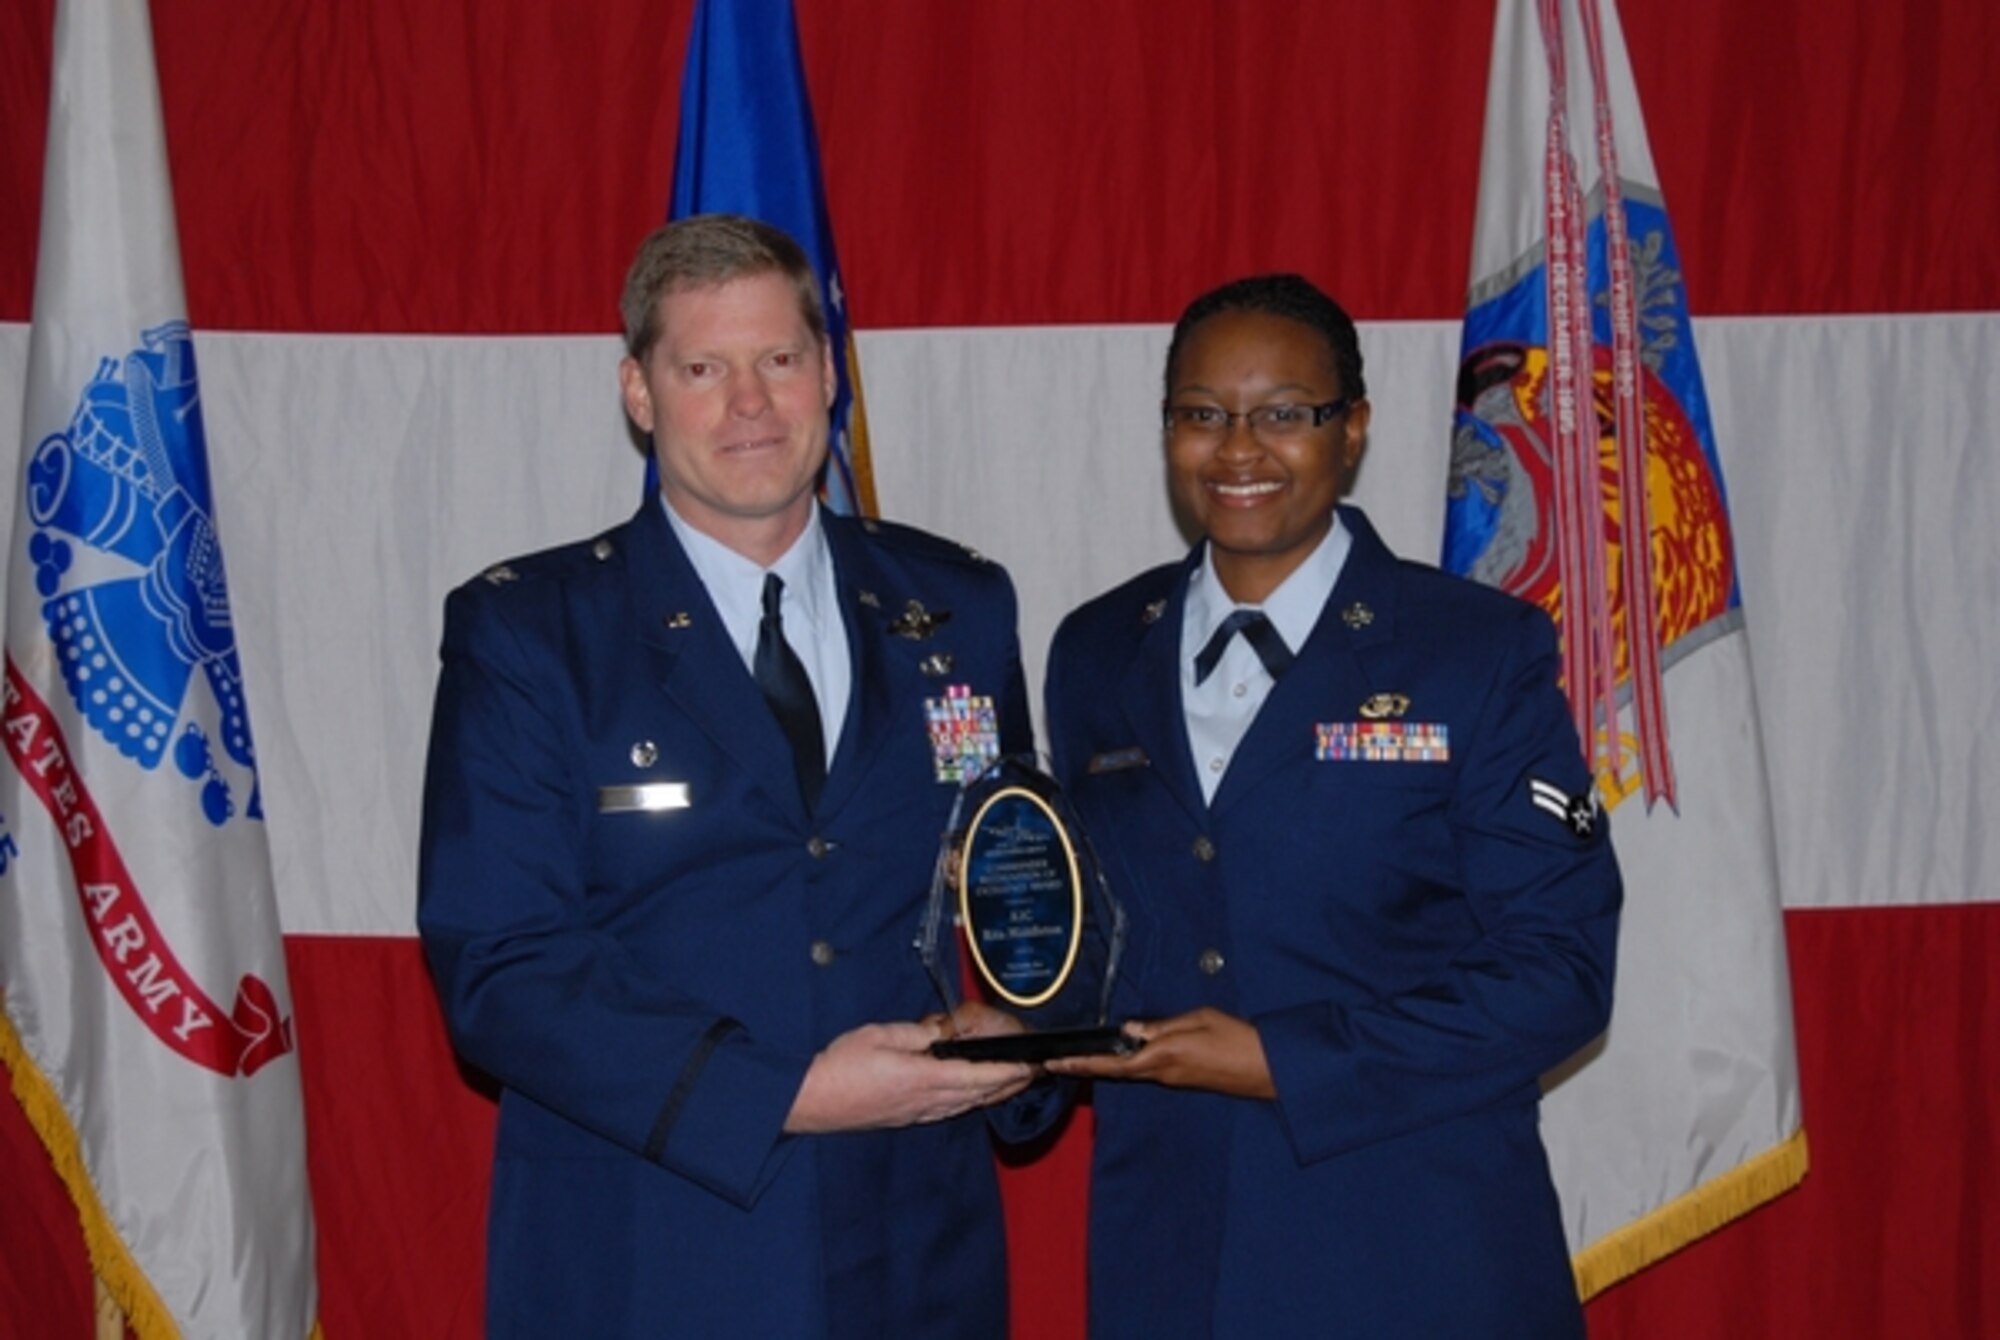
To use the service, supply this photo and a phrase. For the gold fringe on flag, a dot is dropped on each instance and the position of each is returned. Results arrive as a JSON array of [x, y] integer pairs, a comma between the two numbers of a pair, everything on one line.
[[125, 1297], [118, 1275], [1628, 1250]]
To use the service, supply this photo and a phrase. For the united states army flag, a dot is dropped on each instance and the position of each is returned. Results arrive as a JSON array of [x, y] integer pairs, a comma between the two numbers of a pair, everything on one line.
[[147, 1026]]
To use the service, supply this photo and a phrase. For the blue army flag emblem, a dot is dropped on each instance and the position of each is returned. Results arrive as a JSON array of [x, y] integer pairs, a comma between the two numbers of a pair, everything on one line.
[[126, 561]]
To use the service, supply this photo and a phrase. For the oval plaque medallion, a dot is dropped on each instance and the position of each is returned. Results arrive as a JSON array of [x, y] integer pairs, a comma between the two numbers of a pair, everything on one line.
[[1020, 896]]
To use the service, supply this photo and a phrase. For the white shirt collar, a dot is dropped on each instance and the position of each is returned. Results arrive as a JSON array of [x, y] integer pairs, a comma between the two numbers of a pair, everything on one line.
[[1293, 609], [735, 584]]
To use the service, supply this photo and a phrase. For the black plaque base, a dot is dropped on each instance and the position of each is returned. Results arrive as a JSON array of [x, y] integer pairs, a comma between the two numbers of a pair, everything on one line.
[[1105, 1041]]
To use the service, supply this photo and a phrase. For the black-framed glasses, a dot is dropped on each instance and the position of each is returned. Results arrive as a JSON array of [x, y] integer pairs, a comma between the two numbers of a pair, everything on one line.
[[1268, 423]]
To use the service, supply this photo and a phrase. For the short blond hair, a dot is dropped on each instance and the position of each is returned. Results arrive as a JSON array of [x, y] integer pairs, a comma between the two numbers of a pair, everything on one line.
[[709, 249]]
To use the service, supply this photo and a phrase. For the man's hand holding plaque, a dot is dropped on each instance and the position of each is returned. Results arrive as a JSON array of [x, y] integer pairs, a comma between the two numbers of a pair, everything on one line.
[[1021, 920]]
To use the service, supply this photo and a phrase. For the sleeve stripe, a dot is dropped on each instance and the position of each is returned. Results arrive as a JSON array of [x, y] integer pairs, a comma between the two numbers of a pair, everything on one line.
[[656, 1142]]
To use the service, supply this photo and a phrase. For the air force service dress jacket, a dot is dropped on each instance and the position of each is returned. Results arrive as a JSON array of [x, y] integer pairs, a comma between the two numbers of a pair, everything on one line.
[[1403, 884], [648, 973]]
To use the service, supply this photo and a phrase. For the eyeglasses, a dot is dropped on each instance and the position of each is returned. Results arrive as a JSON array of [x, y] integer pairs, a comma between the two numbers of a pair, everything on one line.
[[1268, 423]]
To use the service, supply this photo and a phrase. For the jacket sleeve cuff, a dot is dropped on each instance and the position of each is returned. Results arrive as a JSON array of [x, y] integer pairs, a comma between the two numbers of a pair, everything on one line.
[[722, 1125]]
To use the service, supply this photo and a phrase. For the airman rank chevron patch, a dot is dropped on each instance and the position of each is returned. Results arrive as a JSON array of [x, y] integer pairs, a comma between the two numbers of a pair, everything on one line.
[[1577, 813]]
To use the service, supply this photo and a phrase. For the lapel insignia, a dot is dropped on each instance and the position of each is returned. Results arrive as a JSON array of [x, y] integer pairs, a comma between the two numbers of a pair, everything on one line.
[[868, 600], [678, 619], [1381, 742], [602, 550], [917, 623], [500, 574], [1383, 706], [1579, 814], [937, 665], [645, 754], [1152, 612], [964, 731], [1118, 760], [1357, 615]]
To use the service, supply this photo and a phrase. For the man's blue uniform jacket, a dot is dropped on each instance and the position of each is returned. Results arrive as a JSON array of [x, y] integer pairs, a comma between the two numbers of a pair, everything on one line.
[[1416, 940], [648, 985]]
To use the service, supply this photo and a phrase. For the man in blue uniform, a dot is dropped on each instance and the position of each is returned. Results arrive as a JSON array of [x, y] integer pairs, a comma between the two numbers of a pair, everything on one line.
[[1371, 897], [686, 782]]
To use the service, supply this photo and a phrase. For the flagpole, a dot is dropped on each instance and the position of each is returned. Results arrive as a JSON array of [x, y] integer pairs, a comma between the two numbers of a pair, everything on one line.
[[748, 146], [110, 1317]]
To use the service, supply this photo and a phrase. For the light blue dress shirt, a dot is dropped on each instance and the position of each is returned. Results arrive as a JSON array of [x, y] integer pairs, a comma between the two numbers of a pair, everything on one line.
[[1218, 711], [810, 609]]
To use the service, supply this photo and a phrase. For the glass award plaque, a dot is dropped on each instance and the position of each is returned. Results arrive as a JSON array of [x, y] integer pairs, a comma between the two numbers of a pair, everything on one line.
[[1020, 916]]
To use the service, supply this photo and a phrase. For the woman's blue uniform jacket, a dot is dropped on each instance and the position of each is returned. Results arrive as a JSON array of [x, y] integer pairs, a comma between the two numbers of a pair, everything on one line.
[[1404, 884]]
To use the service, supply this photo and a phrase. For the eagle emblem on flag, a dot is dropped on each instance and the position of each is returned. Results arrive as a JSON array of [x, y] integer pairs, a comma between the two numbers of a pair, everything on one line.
[[129, 569]]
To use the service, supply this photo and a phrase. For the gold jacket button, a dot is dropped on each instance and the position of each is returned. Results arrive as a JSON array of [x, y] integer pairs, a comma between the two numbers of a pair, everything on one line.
[[1210, 962], [823, 953], [1204, 850]]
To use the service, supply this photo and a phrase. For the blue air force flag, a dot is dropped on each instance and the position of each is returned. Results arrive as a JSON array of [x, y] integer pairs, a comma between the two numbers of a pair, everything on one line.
[[747, 146], [147, 1026], [1585, 477]]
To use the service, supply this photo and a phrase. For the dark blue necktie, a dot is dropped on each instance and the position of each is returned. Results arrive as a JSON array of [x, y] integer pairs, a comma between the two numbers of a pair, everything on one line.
[[783, 680], [1265, 640]]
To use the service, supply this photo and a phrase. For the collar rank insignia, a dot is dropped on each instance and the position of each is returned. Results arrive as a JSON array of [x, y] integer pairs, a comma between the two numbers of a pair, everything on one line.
[[1385, 706], [1579, 814], [869, 600], [1357, 615], [917, 623], [677, 620], [1152, 612], [500, 574]]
